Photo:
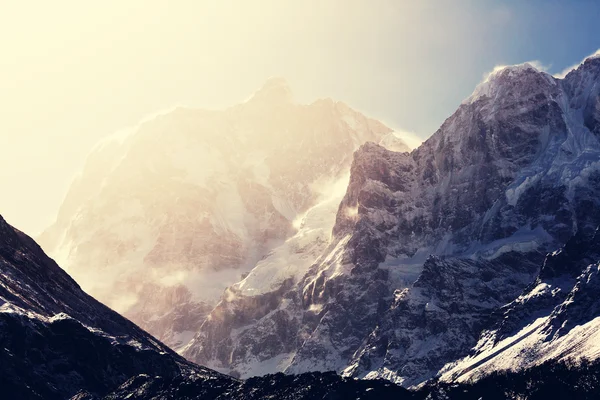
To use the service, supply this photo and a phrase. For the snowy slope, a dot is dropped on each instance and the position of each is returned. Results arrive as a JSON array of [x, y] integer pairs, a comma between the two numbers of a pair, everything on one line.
[[163, 218]]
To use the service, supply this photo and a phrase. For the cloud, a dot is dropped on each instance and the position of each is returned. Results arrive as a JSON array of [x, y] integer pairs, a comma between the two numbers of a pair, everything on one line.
[[565, 71]]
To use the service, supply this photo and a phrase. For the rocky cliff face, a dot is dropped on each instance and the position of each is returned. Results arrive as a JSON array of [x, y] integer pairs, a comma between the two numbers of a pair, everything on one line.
[[428, 245], [164, 218]]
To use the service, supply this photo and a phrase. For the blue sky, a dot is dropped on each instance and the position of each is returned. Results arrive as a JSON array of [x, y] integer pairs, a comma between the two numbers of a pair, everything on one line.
[[424, 85], [74, 72]]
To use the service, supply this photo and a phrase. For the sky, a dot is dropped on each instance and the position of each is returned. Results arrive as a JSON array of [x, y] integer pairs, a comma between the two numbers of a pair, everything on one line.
[[73, 72]]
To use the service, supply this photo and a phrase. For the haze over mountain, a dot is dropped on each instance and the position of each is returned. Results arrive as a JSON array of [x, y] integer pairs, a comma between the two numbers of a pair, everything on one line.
[[163, 219], [77, 71], [59, 343]]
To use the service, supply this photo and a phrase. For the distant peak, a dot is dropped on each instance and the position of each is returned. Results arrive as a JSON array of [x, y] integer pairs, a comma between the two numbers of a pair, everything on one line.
[[275, 89], [512, 70]]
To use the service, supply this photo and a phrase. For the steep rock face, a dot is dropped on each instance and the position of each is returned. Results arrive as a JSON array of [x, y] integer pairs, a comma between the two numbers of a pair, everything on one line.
[[462, 180], [57, 340], [165, 217], [582, 83], [513, 171], [440, 316], [429, 244]]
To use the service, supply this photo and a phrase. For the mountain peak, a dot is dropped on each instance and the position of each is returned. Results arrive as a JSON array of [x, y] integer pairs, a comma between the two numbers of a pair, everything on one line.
[[275, 89], [504, 74]]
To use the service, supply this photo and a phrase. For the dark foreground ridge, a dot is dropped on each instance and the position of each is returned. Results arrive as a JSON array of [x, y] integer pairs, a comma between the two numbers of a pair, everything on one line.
[[548, 381], [312, 385]]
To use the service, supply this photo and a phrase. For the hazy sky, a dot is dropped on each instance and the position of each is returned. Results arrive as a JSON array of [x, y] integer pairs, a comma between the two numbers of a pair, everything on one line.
[[73, 72]]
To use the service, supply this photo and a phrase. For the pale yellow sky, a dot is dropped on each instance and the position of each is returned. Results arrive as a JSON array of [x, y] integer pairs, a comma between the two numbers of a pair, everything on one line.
[[72, 72]]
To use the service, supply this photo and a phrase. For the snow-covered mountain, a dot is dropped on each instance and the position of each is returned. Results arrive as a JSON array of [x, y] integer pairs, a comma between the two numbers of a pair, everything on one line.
[[165, 217], [428, 246]]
